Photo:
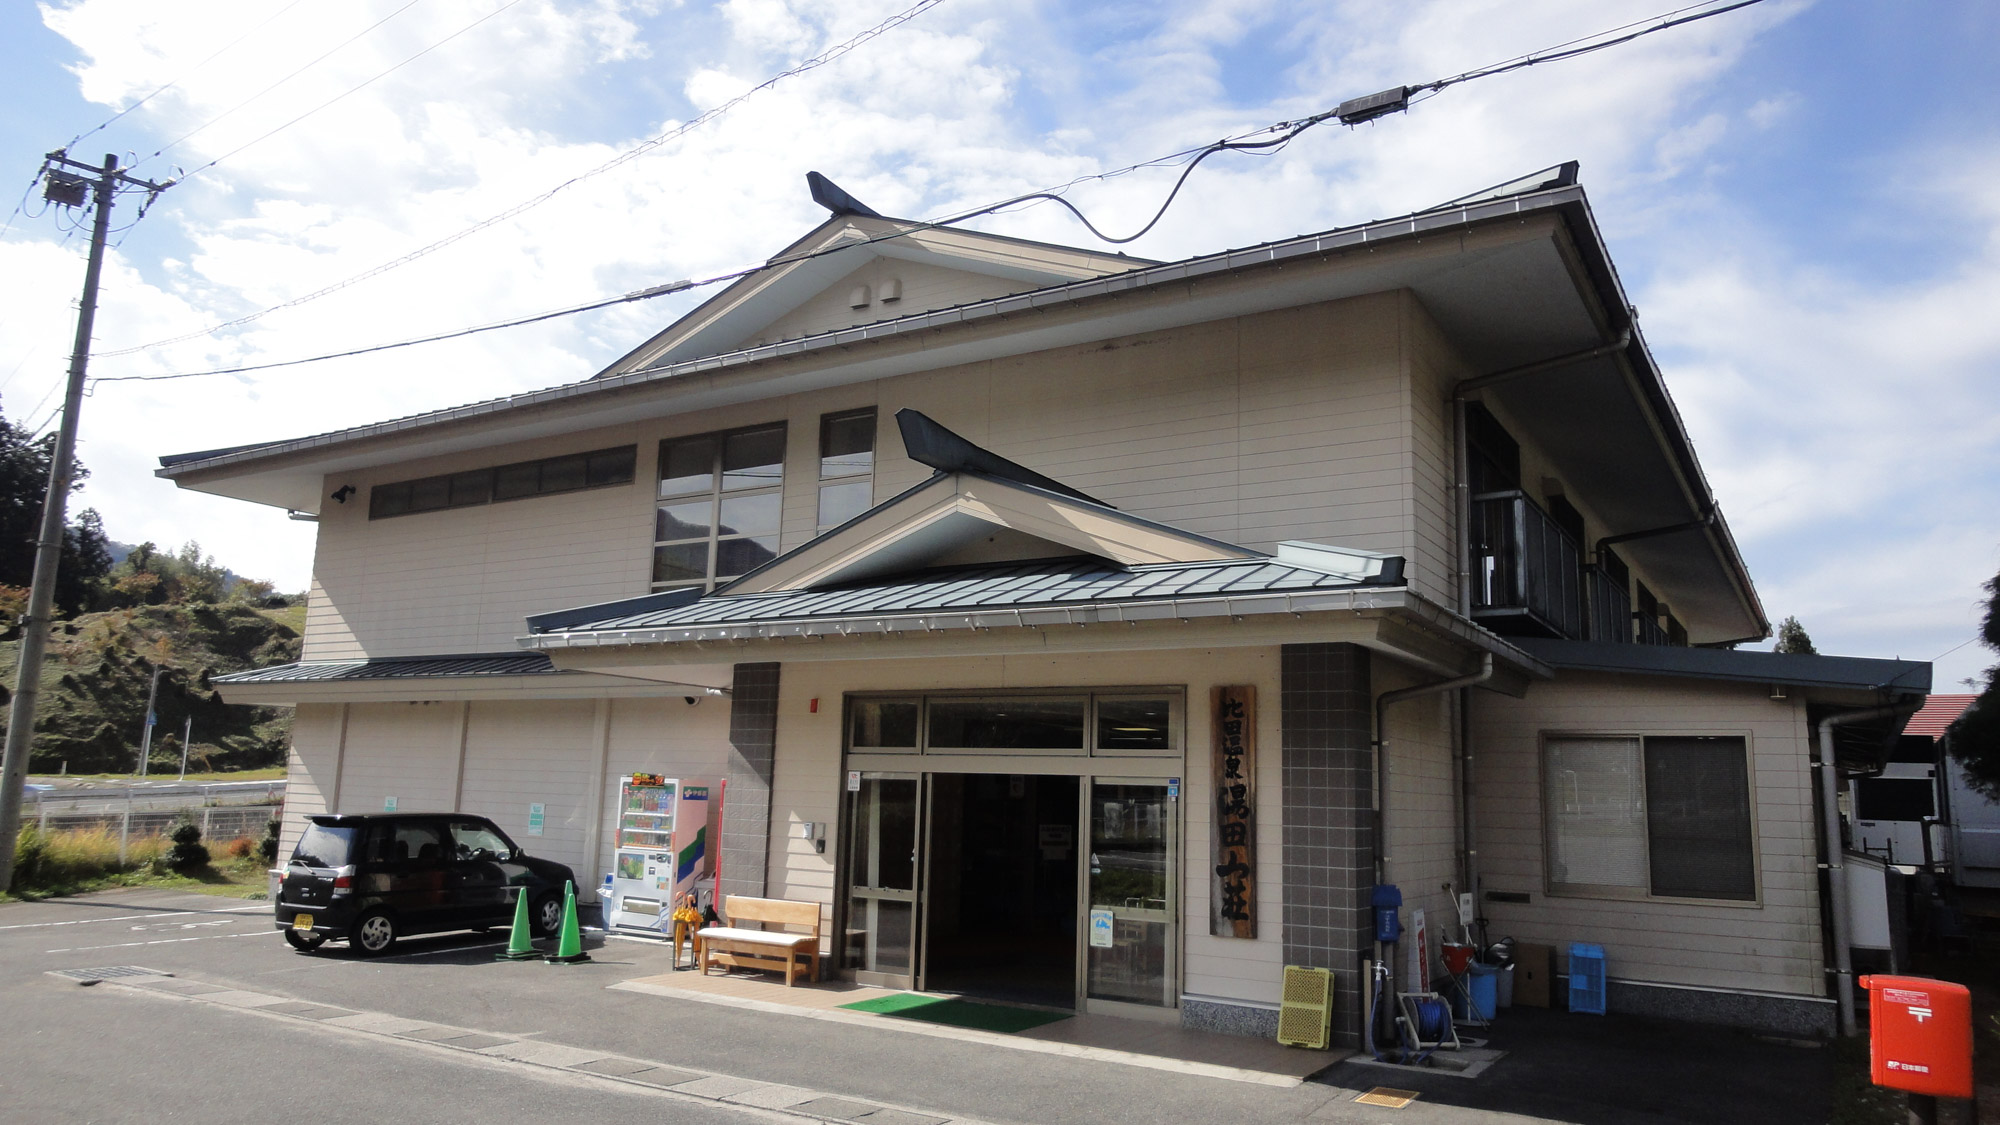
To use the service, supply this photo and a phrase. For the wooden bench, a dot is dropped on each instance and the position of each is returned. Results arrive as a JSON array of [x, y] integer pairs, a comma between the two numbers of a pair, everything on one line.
[[779, 948]]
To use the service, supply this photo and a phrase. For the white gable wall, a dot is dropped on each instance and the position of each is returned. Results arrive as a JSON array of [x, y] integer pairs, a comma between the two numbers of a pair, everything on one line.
[[925, 287]]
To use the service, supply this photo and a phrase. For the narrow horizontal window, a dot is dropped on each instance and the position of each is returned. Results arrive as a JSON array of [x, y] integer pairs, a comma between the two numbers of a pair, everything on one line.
[[573, 472]]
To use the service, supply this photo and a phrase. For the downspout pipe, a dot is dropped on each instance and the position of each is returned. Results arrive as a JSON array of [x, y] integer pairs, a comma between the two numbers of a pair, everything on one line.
[[1382, 703], [1836, 852]]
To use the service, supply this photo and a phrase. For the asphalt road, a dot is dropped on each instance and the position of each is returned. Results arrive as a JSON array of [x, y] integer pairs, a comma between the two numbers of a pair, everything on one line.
[[114, 1052]]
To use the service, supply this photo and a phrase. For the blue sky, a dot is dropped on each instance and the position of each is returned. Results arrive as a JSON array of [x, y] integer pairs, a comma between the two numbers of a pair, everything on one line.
[[1800, 198]]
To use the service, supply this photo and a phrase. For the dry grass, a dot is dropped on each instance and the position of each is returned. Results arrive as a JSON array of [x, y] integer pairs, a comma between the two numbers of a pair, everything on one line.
[[63, 860]]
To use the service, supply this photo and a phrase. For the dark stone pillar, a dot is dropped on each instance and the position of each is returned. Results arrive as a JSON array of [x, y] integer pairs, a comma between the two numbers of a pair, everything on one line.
[[746, 807], [1329, 785]]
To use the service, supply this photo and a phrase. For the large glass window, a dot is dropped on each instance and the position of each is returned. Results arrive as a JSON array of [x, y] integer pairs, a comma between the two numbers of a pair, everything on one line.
[[721, 500], [846, 466], [1663, 816]]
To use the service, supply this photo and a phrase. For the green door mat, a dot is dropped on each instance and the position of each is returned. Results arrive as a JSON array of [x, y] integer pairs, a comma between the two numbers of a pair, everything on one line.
[[956, 1013]]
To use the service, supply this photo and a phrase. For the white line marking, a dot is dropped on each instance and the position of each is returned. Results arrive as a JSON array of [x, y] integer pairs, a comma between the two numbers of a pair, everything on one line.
[[161, 941], [136, 917]]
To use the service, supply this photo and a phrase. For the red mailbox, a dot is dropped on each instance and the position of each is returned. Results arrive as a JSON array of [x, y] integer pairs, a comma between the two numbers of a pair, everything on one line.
[[1920, 1035]]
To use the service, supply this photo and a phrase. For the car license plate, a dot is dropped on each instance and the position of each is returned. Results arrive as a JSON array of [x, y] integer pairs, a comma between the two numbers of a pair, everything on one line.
[[302, 922]]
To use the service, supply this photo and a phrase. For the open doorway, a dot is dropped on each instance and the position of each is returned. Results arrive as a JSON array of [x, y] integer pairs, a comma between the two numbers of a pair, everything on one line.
[[1002, 905]]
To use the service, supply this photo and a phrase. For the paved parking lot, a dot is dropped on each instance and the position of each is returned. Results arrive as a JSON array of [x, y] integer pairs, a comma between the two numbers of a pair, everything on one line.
[[248, 1030]]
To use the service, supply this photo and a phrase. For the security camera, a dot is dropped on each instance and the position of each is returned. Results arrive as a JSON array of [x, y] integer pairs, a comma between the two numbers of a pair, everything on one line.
[[690, 700]]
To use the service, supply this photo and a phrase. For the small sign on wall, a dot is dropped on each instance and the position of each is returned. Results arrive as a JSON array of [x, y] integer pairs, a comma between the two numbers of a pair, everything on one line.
[[388, 804], [1233, 891], [854, 781], [537, 816]]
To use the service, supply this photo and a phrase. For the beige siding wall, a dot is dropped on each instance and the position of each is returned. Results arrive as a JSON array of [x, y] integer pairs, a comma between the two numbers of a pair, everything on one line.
[[1296, 424], [534, 751], [808, 781], [516, 753], [1772, 945], [408, 751], [1435, 367], [1423, 802], [312, 768]]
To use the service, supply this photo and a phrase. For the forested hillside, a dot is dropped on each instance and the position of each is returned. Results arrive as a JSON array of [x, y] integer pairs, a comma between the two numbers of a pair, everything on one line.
[[120, 613]]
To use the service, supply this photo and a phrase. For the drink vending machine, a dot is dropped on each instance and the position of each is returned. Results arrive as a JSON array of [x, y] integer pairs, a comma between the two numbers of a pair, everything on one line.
[[661, 852]]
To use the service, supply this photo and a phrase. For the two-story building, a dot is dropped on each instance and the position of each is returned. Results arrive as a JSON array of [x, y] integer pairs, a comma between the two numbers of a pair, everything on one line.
[[1097, 632]]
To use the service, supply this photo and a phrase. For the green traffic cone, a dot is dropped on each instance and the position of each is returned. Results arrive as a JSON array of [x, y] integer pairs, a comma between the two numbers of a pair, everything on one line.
[[520, 943], [569, 950]]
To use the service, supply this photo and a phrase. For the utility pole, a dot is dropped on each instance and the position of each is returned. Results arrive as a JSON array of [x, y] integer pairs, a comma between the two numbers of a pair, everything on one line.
[[67, 187], [152, 720]]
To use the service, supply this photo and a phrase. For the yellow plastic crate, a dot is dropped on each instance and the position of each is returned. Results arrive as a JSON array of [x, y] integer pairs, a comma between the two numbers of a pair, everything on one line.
[[1305, 1019]]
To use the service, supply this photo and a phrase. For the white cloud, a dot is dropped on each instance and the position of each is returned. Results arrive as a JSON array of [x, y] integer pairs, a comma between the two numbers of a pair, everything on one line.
[[1820, 397]]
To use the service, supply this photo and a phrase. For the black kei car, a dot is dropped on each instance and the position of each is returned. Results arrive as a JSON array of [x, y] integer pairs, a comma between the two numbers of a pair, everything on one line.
[[374, 878]]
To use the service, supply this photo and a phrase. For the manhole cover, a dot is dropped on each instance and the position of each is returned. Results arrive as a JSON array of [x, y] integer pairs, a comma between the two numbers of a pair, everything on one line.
[[108, 972]]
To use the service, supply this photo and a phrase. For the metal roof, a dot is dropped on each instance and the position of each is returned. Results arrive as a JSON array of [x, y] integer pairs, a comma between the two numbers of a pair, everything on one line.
[[1789, 669], [1015, 587], [1938, 713], [397, 668], [1143, 276]]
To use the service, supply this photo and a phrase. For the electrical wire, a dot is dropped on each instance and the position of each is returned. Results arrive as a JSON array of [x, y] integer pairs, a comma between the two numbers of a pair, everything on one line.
[[347, 93], [621, 159], [26, 194], [336, 48], [107, 122], [1278, 135]]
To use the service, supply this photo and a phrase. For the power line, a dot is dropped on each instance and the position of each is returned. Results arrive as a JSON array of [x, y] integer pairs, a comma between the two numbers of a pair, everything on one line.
[[1277, 135], [623, 158], [107, 122], [349, 92], [336, 48]]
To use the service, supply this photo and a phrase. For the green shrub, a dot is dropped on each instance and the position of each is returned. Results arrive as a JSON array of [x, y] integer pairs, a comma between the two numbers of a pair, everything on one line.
[[188, 852], [267, 848]]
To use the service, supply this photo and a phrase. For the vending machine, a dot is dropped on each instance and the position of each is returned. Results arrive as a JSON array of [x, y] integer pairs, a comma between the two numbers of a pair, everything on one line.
[[661, 852]]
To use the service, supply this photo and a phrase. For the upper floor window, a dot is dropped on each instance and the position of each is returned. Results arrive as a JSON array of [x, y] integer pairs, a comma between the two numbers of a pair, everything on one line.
[[551, 475], [846, 466], [720, 505]]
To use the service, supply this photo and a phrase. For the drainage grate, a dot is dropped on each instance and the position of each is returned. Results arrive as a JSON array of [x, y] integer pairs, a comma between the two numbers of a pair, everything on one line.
[[1387, 1097], [108, 972]]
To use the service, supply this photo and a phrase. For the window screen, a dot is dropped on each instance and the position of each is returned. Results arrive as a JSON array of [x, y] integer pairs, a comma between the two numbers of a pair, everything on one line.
[[1698, 818], [1596, 812]]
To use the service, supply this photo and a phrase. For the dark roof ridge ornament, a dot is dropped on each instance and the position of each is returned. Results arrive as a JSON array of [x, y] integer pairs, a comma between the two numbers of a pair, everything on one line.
[[928, 443], [829, 195]]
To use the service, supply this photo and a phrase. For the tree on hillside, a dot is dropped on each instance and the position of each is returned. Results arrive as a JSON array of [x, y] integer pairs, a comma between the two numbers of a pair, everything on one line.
[[1792, 638], [24, 484], [1975, 737], [149, 576]]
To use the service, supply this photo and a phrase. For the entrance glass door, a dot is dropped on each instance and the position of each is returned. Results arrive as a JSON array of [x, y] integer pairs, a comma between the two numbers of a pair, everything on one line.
[[882, 868], [1132, 895]]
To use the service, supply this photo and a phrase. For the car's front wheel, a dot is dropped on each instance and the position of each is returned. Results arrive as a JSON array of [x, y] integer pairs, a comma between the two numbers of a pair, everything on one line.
[[374, 934], [546, 915], [305, 941]]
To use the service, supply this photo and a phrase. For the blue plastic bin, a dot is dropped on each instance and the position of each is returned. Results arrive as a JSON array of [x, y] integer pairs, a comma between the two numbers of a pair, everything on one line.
[[1483, 982], [1586, 978]]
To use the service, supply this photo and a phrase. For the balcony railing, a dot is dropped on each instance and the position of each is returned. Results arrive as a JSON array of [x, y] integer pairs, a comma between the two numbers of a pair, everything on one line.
[[1609, 606], [1527, 571]]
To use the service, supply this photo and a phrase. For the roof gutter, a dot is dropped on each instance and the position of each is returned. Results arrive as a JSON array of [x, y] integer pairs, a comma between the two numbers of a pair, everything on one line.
[[1836, 851]]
